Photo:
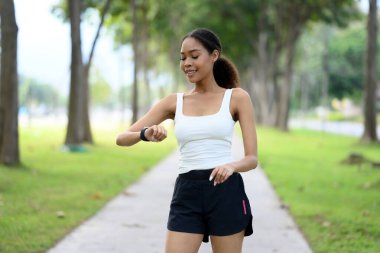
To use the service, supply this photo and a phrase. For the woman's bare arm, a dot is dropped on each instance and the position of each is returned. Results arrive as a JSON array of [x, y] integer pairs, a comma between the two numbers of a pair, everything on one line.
[[245, 113], [247, 124], [164, 109]]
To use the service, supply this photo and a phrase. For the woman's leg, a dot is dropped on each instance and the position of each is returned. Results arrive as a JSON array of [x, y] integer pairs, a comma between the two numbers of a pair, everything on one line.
[[179, 242], [227, 244]]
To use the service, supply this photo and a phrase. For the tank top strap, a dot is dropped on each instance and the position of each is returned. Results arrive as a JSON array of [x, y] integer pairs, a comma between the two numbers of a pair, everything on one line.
[[226, 101], [178, 110]]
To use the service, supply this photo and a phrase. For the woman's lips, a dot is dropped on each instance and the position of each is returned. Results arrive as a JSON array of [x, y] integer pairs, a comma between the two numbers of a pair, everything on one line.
[[190, 73]]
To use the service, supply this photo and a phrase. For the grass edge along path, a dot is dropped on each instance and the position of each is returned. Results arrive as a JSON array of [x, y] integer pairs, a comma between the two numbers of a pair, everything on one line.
[[337, 206], [54, 191]]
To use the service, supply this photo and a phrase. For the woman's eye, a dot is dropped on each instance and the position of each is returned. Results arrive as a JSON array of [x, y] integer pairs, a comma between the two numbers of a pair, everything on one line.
[[193, 57]]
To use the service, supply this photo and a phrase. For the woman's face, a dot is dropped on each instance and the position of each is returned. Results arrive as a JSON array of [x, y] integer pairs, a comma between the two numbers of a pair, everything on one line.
[[196, 62]]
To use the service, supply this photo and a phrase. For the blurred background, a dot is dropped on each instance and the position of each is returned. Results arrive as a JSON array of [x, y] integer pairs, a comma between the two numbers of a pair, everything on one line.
[[294, 59], [76, 73]]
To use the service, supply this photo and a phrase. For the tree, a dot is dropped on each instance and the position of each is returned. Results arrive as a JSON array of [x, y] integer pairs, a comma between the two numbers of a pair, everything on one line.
[[370, 82], [63, 10], [135, 42], [9, 141], [87, 134], [292, 17], [134, 28], [76, 128]]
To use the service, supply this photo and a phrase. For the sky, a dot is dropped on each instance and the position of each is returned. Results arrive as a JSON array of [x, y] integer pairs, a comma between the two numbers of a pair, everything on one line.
[[44, 47]]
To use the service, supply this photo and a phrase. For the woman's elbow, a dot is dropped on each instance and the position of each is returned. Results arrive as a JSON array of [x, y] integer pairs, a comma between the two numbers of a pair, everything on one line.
[[253, 162], [120, 140]]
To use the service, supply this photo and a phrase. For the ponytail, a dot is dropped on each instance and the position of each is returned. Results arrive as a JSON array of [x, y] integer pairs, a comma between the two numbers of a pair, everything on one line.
[[225, 73]]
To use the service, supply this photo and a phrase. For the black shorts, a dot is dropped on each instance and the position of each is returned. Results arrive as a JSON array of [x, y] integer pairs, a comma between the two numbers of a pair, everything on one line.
[[200, 207]]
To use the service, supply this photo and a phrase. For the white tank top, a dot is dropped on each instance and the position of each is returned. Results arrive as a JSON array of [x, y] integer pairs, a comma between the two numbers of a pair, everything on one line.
[[204, 141]]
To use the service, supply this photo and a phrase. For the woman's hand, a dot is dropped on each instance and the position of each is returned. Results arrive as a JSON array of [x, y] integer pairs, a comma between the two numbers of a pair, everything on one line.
[[221, 173], [156, 133]]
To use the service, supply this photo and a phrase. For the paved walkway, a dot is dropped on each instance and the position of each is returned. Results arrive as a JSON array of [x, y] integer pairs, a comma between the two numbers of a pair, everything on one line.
[[135, 221]]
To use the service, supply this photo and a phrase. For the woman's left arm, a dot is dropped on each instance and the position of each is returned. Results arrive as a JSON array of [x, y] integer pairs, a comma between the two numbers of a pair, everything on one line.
[[242, 105]]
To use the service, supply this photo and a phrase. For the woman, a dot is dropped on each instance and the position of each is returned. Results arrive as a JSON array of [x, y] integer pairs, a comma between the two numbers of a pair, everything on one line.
[[209, 197]]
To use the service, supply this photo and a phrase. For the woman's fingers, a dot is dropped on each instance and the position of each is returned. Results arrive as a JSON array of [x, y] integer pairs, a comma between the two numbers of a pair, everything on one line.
[[159, 134], [156, 133], [221, 174]]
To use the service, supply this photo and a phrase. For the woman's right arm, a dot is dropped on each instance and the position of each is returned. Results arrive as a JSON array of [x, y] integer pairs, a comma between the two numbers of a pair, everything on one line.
[[164, 109]]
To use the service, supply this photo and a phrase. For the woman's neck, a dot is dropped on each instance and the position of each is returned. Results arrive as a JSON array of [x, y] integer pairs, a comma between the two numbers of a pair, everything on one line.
[[207, 85]]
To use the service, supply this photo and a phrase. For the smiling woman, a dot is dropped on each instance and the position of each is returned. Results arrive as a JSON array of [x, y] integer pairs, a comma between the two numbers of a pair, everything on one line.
[[209, 199], [198, 42]]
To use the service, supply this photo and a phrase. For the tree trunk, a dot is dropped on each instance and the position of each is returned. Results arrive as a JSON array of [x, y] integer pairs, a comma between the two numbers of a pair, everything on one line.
[[9, 141], [86, 104], [325, 67], [145, 53], [276, 76], [370, 84], [76, 126], [285, 89], [304, 90], [86, 83], [135, 59]]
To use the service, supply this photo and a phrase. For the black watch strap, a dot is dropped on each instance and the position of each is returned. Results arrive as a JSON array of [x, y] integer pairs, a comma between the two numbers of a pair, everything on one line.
[[142, 134]]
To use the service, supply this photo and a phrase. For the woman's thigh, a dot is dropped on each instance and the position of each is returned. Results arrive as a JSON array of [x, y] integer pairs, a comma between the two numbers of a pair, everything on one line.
[[227, 244], [179, 242]]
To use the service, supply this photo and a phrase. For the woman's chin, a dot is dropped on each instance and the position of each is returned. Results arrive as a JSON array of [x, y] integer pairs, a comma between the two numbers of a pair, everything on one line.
[[191, 80]]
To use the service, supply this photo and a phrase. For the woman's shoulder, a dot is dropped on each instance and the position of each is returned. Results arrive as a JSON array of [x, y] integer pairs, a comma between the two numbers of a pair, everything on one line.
[[167, 105], [170, 99], [167, 102], [240, 93]]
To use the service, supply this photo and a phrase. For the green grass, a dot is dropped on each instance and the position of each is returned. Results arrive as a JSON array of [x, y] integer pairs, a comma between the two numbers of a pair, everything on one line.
[[337, 206], [78, 184]]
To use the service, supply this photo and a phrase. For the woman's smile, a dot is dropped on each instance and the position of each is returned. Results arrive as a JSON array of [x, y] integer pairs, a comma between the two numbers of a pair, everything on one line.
[[190, 72]]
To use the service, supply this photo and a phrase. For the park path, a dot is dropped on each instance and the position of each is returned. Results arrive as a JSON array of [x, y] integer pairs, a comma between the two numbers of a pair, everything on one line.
[[135, 220]]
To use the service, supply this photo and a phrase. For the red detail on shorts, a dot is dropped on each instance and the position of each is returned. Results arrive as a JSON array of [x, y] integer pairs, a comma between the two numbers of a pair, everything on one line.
[[245, 209]]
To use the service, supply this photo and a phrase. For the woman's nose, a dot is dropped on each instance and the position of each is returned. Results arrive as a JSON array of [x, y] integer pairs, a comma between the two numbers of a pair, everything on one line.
[[187, 62]]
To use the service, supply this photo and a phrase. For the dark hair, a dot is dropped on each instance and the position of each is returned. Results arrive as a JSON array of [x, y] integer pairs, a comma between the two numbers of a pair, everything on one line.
[[225, 72]]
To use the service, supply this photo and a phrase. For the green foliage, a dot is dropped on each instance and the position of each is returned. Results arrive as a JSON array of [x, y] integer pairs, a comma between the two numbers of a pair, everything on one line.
[[309, 72], [120, 22], [100, 90], [346, 61], [336, 205], [61, 9], [33, 94], [52, 183]]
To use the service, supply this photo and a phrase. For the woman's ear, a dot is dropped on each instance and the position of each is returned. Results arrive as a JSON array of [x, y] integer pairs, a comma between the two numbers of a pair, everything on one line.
[[215, 55]]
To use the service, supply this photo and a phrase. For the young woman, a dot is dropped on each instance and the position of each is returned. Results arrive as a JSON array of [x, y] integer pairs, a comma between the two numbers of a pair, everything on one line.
[[209, 197]]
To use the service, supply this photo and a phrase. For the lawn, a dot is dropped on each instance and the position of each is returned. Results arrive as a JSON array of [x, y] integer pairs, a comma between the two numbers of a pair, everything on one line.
[[54, 191], [336, 205]]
